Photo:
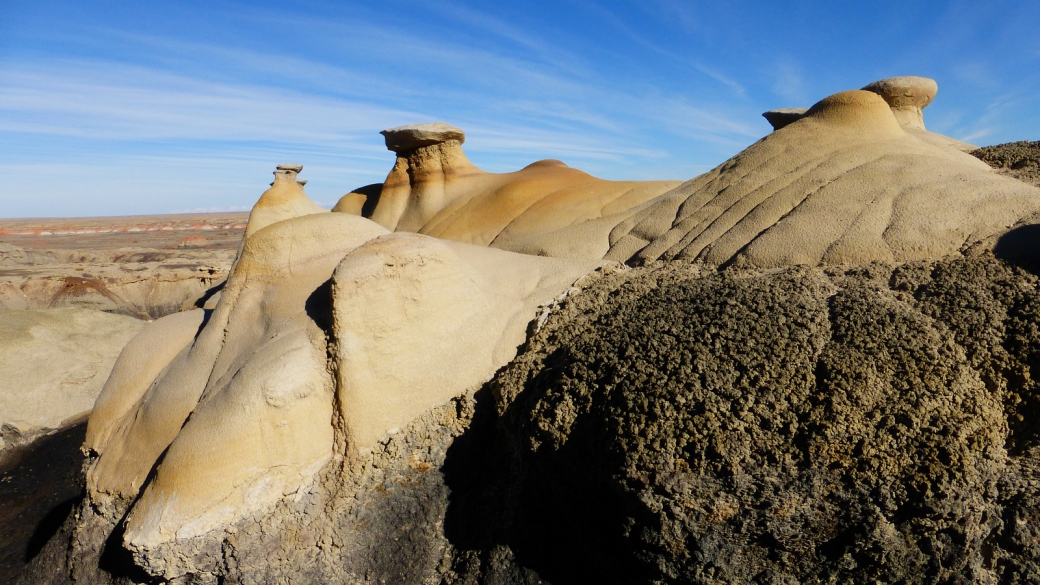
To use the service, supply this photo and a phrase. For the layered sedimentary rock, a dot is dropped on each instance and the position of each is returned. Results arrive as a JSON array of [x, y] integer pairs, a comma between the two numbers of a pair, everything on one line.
[[546, 208], [142, 266], [141, 282], [844, 184], [245, 410]]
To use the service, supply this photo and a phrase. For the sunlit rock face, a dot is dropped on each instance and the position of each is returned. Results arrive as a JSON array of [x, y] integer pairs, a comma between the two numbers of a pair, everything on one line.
[[391, 392], [328, 328], [546, 208], [844, 184]]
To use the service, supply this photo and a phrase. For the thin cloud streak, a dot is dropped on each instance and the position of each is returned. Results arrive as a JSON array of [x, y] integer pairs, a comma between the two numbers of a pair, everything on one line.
[[626, 30]]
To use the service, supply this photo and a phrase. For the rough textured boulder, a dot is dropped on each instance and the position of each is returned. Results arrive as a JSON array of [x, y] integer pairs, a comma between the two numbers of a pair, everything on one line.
[[54, 362], [1020, 160], [843, 184], [546, 208], [855, 425]]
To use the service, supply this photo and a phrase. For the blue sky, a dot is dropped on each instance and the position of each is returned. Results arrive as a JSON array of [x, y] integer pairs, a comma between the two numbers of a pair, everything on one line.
[[150, 107]]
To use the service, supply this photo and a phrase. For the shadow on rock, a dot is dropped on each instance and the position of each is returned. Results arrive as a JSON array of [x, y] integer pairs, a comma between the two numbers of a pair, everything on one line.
[[1020, 247], [39, 484]]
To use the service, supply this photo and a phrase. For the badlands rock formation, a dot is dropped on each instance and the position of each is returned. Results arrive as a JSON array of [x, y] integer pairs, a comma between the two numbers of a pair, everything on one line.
[[144, 266], [844, 184], [546, 208], [406, 399], [329, 332]]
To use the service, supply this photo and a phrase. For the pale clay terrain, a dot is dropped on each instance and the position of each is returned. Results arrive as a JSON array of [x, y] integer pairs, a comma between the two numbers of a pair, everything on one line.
[[335, 331]]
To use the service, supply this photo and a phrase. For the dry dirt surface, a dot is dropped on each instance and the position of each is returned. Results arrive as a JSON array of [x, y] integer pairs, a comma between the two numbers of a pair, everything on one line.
[[1020, 160], [143, 266]]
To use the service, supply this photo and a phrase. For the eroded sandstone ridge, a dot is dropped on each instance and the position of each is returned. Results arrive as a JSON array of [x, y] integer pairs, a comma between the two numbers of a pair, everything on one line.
[[830, 379], [546, 208], [843, 184]]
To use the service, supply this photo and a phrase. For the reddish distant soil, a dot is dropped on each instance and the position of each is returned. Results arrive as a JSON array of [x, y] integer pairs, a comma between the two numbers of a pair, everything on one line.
[[144, 266], [204, 230]]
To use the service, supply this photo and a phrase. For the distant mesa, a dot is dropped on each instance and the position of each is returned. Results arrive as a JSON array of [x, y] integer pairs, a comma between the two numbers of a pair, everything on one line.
[[405, 138]]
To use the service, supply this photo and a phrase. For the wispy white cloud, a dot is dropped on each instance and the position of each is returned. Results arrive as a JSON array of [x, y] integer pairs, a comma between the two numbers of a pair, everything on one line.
[[535, 46], [116, 101], [975, 72], [977, 134], [218, 117], [686, 61], [704, 124], [789, 83]]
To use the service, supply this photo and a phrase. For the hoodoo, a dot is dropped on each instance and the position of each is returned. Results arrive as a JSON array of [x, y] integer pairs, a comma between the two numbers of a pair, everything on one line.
[[546, 208], [285, 199], [907, 96], [845, 183]]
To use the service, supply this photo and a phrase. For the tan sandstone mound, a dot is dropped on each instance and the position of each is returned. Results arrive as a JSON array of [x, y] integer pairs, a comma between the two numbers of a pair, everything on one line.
[[244, 411], [843, 184], [546, 208], [285, 199], [907, 96]]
